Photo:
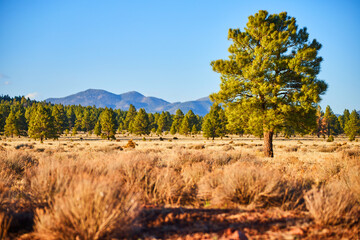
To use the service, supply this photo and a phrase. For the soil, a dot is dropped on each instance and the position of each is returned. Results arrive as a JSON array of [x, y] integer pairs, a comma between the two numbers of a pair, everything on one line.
[[189, 223]]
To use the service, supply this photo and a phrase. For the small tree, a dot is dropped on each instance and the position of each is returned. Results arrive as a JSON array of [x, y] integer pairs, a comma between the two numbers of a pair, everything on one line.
[[185, 126], [59, 116], [41, 125], [97, 128], [269, 80], [352, 126], [331, 121], [107, 121], [175, 126], [11, 127], [130, 116], [215, 123], [141, 123]]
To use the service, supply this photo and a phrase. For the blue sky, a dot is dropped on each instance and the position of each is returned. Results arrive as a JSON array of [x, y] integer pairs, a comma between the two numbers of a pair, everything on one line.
[[159, 48]]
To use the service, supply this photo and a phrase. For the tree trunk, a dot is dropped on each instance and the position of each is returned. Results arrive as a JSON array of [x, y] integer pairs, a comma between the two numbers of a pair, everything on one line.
[[268, 146]]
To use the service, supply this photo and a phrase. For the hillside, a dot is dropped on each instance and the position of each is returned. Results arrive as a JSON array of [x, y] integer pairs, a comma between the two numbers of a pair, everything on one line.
[[102, 98]]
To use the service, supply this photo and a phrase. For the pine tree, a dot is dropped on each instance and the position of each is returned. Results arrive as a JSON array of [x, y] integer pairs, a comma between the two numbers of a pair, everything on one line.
[[97, 128], [141, 123], [331, 121], [59, 116], [352, 126], [270, 79], [161, 123], [215, 123], [11, 127], [107, 121], [175, 126], [41, 124], [130, 116], [185, 126]]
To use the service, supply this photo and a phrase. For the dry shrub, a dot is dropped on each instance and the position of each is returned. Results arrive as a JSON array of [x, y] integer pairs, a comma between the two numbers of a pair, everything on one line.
[[228, 148], [191, 175], [130, 144], [90, 208], [16, 162], [197, 147], [24, 146], [355, 153], [352, 179], [244, 184], [4, 225], [53, 175], [332, 204], [292, 149], [328, 149], [155, 183]]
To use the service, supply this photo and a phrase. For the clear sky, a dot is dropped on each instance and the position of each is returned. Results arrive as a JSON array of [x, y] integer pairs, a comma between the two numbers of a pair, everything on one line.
[[158, 48]]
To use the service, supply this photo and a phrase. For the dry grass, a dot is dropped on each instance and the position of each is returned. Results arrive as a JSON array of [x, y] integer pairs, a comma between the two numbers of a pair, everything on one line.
[[81, 189], [89, 208], [332, 204], [4, 225]]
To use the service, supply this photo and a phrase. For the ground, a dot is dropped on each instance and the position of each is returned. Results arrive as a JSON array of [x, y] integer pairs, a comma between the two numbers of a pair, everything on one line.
[[185, 187]]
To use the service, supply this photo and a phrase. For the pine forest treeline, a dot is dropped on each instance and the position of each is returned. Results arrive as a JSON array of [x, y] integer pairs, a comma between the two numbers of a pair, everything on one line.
[[40, 120]]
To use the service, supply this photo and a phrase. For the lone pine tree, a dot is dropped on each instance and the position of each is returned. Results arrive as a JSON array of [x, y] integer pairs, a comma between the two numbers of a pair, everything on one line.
[[269, 80]]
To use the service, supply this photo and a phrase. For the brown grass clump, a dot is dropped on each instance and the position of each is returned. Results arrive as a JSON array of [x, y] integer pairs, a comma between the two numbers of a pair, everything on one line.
[[332, 204], [250, 184], [4, 225], [88, 209]]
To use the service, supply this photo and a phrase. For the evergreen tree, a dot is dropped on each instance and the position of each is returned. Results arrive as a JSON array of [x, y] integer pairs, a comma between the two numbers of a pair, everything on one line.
[[270, 79], [87, 121], [20, 119], [70, 115], [175, 126], [97, 128], [141, 123], [11, 127], [59, 116], [161, 123], [41, 124], [214, 123], [107, 121], [4, 112], [352, 126], [185, 126], [192, 118], [130, 116], [331, 121]]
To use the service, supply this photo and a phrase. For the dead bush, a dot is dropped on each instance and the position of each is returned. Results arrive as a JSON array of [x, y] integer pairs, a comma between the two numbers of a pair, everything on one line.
[[89, 209], [332, 204]]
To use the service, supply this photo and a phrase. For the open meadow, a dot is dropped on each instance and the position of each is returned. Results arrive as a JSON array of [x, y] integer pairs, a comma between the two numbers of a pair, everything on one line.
[[83, 187]]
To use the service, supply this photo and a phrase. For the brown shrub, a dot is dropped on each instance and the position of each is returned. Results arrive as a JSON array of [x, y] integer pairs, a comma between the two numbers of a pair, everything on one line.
[[130, 144], [332, 204], [90, 208]]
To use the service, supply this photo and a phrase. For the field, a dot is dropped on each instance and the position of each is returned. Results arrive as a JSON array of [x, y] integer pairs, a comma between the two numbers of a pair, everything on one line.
[[179, 188]]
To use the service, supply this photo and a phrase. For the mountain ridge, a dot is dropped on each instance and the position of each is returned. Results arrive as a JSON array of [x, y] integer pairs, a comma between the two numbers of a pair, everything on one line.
[[103, 98]]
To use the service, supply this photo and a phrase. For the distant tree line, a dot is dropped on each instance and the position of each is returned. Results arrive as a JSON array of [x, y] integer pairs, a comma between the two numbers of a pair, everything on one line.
[[40, 120]]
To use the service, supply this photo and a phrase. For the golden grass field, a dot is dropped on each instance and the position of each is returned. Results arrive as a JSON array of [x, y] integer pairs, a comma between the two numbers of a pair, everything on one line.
[[83, 187]]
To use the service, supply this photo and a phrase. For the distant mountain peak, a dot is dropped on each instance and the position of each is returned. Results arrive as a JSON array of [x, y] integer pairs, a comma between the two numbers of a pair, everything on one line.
[[103, 98]]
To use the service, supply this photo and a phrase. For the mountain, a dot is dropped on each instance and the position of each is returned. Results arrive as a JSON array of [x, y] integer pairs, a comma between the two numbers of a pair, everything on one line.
[[102, 98]]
